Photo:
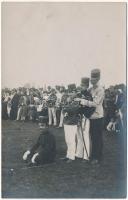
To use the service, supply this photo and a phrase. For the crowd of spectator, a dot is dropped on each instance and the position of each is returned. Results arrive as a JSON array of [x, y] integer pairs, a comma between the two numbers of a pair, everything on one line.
[[24, 104], [115, 108]]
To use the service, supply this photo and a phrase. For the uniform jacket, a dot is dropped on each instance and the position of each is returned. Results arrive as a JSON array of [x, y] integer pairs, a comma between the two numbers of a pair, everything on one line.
[[98, 97], [85, 110], [47, 144], [51, 101], [71, 113]]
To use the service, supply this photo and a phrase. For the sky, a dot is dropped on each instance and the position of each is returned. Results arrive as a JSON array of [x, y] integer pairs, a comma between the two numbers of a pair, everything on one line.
[[58, 43]]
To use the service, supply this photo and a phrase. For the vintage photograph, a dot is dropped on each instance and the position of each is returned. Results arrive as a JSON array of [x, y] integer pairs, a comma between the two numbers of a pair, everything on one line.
[[63, 100]]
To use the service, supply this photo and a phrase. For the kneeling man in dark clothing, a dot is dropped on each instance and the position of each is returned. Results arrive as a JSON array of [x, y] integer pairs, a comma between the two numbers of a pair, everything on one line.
[[47, 149]]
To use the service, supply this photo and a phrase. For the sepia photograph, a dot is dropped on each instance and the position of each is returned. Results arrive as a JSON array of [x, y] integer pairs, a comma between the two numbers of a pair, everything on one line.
[[63, 100]]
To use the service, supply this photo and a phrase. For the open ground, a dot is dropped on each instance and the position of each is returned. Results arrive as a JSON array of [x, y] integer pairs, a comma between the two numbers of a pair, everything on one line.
[[60, 180]]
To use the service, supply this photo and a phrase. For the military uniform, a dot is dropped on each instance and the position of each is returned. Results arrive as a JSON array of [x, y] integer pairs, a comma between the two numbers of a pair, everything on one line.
[[71, 118], [96, 119], [83, 134], [44, 151], [51, 101]]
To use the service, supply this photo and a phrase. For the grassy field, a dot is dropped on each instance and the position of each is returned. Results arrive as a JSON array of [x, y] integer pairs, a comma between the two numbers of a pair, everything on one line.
[[60, 180]]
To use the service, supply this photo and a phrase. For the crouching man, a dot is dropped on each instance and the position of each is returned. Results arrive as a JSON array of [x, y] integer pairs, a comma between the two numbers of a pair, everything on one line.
[[44, 151]]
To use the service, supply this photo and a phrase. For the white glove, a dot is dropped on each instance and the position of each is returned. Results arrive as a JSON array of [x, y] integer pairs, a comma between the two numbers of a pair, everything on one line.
[[109, 126], [84, 102], [114, 126], [34, 156], [26, 155], [66, 114]]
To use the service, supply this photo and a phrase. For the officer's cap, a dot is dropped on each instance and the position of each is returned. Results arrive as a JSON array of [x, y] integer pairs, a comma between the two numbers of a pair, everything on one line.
[[57, 87], [95, 73], [72, 86], [85, 81], [52, 90]]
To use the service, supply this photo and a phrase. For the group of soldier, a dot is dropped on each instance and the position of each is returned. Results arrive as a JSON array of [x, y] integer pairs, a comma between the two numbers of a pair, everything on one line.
[[81, 114]]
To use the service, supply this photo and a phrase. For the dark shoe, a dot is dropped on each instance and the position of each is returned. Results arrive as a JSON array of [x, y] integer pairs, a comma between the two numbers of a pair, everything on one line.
[[64, 159], [69, 161], [85, 161], [94, 162], [59, 127], [78, 159], [31, 164]]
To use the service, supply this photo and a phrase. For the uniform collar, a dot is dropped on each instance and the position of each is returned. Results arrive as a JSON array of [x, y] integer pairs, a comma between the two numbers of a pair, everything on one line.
[[97, 85]]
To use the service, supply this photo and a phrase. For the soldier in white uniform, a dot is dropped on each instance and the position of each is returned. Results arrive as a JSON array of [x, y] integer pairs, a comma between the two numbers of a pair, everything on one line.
[[96, 119], [71, 118], [83, 133]]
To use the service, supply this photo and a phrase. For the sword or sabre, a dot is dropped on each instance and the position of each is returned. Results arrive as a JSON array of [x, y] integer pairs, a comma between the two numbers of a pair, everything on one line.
[[83, 137]]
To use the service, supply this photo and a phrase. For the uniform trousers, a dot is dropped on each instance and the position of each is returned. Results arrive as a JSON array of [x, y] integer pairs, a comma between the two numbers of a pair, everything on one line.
[[8, 110], [13, 112], [58, 113], [70, 139], [96, 130], [61, 119], [19, 113], [83, 140], [45, 157], [22, 112], [52, 115]]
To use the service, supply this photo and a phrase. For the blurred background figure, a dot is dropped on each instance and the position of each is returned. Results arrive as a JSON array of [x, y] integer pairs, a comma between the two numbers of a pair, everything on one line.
[[51, 101], [14, 104], [58, 104]]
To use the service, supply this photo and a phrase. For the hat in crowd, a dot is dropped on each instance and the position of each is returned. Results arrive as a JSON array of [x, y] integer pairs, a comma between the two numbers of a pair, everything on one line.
[[45, 91], [53, 90], [14, 90], [78, 88], [57, 87], [49, 87], [85, 81], [95, 73], [72, 86], [62, 88]]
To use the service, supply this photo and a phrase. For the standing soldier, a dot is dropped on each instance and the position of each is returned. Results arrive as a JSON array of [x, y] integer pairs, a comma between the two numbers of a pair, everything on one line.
[[96, 119], [71, 118], [83, 133], [51, 101]]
